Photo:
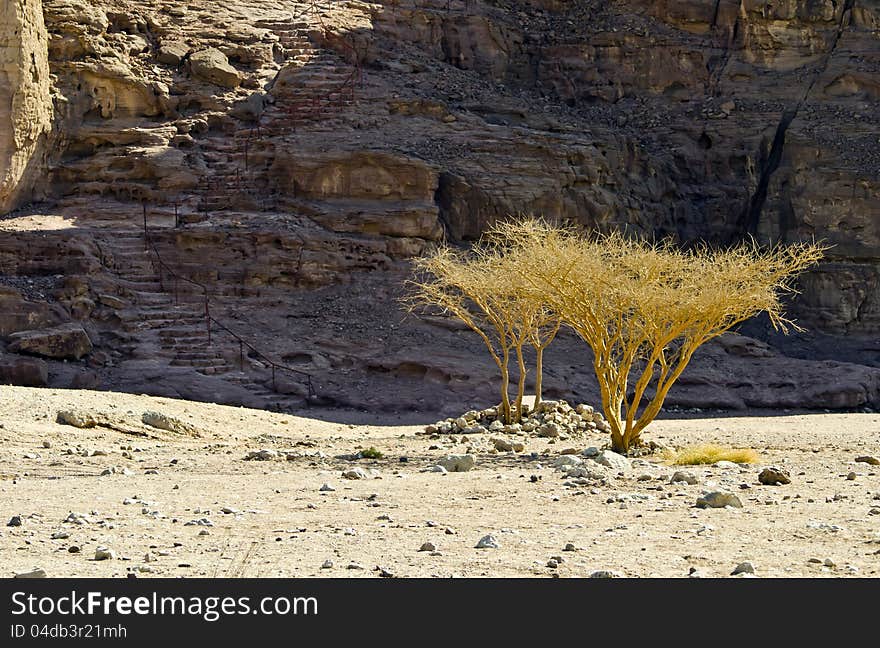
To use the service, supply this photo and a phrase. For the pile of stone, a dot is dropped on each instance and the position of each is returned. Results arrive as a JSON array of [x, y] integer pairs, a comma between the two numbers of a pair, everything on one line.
[[551, 419]]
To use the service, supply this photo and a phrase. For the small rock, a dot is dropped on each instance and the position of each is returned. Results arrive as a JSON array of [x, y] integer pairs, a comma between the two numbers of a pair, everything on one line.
[[606, 573], [718, 499], [873, 461], [567, 460], [261, 455], [326, 488], [78, 518], [684, 476], [549, 430], [851, 476], [34, 573], [773, 476], [355, 473], [743, 568], [205, 522], [14, 521], [488, 542], [327, 564], [103, 553], [428, 546], [569, 546]]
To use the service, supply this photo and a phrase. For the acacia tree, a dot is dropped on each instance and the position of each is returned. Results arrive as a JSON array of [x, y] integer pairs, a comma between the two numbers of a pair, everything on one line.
[[644, 308], [477, 289], [508, 241], [483, 289]]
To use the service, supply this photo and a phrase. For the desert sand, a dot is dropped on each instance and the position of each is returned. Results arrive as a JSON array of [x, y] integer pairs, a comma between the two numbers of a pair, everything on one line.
[[279, 523]]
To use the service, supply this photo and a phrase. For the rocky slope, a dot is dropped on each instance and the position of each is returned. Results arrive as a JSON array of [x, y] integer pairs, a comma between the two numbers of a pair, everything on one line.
[[273, 151]]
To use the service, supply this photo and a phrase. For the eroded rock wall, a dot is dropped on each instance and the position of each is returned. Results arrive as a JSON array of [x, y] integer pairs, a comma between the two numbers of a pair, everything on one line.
[[25, 102], [700, 119]]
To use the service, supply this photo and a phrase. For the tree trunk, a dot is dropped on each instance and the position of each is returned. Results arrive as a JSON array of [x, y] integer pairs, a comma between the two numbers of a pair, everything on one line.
[[618, 437], [539, 374], [521, 384], [505, 382], [618, 442]]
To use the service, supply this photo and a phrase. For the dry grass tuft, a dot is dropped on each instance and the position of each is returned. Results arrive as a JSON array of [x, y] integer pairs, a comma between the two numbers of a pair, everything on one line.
[[709, 453]]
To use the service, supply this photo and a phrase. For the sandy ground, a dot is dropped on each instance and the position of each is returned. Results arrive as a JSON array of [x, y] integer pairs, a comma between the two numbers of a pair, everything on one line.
[[283, 525]]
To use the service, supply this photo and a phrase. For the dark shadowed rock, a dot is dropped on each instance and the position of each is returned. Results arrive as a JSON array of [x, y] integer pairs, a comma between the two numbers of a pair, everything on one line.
[[27, 372], [67, 342]]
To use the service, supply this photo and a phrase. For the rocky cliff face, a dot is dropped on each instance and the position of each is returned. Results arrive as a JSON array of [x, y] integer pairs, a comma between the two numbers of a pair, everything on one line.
[[25, 103], [277, 149]]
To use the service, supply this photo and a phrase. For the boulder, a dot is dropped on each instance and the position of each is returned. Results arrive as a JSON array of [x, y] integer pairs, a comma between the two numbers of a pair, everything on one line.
[[20, 314], [172, 52], [76, 418], [211, 65], [65, 342], [613, 460], [169, 423], [26, 372], [457, 463]]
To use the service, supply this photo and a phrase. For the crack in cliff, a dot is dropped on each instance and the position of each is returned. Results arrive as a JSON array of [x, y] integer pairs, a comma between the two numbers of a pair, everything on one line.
[[715, 14], [756, 203], [752, 217], [716, 71]]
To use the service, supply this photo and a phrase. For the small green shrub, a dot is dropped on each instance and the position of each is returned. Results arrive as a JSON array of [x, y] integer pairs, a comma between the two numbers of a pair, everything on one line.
[[371, 453]]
